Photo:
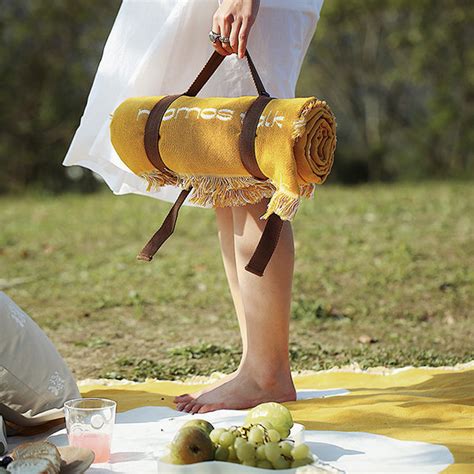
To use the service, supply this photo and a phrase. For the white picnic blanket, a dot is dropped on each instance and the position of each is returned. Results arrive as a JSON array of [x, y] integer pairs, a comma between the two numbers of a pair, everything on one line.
[[141, 436]]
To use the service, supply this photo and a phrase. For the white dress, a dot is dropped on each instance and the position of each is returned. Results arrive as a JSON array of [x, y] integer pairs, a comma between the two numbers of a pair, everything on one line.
[[158, 47]]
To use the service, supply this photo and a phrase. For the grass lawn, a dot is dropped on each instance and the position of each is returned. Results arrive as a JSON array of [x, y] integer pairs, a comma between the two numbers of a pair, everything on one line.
[[384, 275]]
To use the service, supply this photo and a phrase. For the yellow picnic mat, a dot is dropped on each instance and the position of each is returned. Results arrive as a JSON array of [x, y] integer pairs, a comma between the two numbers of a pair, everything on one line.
[[430, 405]]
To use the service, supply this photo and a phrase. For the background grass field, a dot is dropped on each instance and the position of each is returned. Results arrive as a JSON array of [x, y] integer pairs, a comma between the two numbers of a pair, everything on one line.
[[384, 275]]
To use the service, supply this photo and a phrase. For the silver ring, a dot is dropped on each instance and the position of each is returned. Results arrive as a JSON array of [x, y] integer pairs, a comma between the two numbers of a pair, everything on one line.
[[224, 39], [213, 37]]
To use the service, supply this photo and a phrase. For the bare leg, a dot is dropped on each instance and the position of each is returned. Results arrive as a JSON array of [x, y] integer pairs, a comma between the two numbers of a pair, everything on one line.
[[264, 373], [225, 226]]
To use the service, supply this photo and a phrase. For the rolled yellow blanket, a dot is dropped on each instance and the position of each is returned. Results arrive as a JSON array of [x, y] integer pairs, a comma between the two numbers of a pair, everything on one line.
[[199, 141]]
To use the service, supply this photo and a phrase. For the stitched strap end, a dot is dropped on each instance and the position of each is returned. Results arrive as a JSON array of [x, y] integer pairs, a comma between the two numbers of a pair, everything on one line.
[[144, 258], [255, 271]]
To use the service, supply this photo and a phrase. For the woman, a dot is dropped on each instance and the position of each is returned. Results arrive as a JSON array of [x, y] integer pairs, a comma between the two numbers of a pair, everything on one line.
[[157, 48]]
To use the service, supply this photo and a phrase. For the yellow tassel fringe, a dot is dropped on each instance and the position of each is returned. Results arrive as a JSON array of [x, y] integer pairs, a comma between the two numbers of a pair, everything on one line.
[[225, 191]]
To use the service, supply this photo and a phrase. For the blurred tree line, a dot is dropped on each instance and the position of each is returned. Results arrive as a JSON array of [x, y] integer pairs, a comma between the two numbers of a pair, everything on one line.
[[399, 75], [49, 53]]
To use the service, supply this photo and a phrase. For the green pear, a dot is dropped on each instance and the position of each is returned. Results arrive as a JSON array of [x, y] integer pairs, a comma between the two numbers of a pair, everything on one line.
[[190, 445], [205, 425]]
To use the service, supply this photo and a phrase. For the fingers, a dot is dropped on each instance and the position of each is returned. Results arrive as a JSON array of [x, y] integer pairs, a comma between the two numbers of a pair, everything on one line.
[[225, 25], [235, 26], [216, 27], [234, 35], [243, 37]]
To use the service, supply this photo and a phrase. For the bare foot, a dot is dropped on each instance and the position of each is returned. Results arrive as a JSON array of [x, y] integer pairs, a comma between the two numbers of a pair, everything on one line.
[[187, 397], [240, 392]]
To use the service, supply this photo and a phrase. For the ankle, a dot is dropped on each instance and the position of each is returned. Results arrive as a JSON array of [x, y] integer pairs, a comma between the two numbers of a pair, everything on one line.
[[269, 377], [278, 383]]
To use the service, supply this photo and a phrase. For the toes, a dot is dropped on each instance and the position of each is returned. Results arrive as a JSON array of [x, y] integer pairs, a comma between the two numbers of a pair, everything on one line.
[[207, 407], [180, 406], [188, 406], [178, 398], [195, 408], [182, 398]]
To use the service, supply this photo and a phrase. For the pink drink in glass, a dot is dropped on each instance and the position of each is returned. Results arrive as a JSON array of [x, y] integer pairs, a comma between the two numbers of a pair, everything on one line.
[[98, 442]]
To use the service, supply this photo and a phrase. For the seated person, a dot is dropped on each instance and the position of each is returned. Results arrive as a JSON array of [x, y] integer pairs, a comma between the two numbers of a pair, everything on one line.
[[34, 379]]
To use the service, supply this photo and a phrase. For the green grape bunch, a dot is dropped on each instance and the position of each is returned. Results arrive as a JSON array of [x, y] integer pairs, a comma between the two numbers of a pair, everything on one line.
[[258, 445]]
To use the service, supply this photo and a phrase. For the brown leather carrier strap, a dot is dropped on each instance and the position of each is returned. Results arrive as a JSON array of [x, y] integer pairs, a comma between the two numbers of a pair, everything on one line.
[[210, 67], [247, 136], [256, 78], [273, 226], [152, 132], [249, 127], [266, 246], [207, 71], [165, 231]]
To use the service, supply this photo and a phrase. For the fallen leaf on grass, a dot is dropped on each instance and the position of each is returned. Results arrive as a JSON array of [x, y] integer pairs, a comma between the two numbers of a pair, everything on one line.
[[365, 339], [449, 320], [48, 249], [25, 253], [447, 286], [425, 317]]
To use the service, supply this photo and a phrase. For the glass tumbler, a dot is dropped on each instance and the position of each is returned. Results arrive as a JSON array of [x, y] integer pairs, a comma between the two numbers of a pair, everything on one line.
[[89, 424]]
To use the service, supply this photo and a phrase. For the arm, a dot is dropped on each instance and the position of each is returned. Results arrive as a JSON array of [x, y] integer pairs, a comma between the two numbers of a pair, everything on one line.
[[233, 19]]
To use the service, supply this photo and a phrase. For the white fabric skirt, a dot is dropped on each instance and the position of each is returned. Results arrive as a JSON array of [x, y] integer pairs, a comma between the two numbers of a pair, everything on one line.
[[158, 47]]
